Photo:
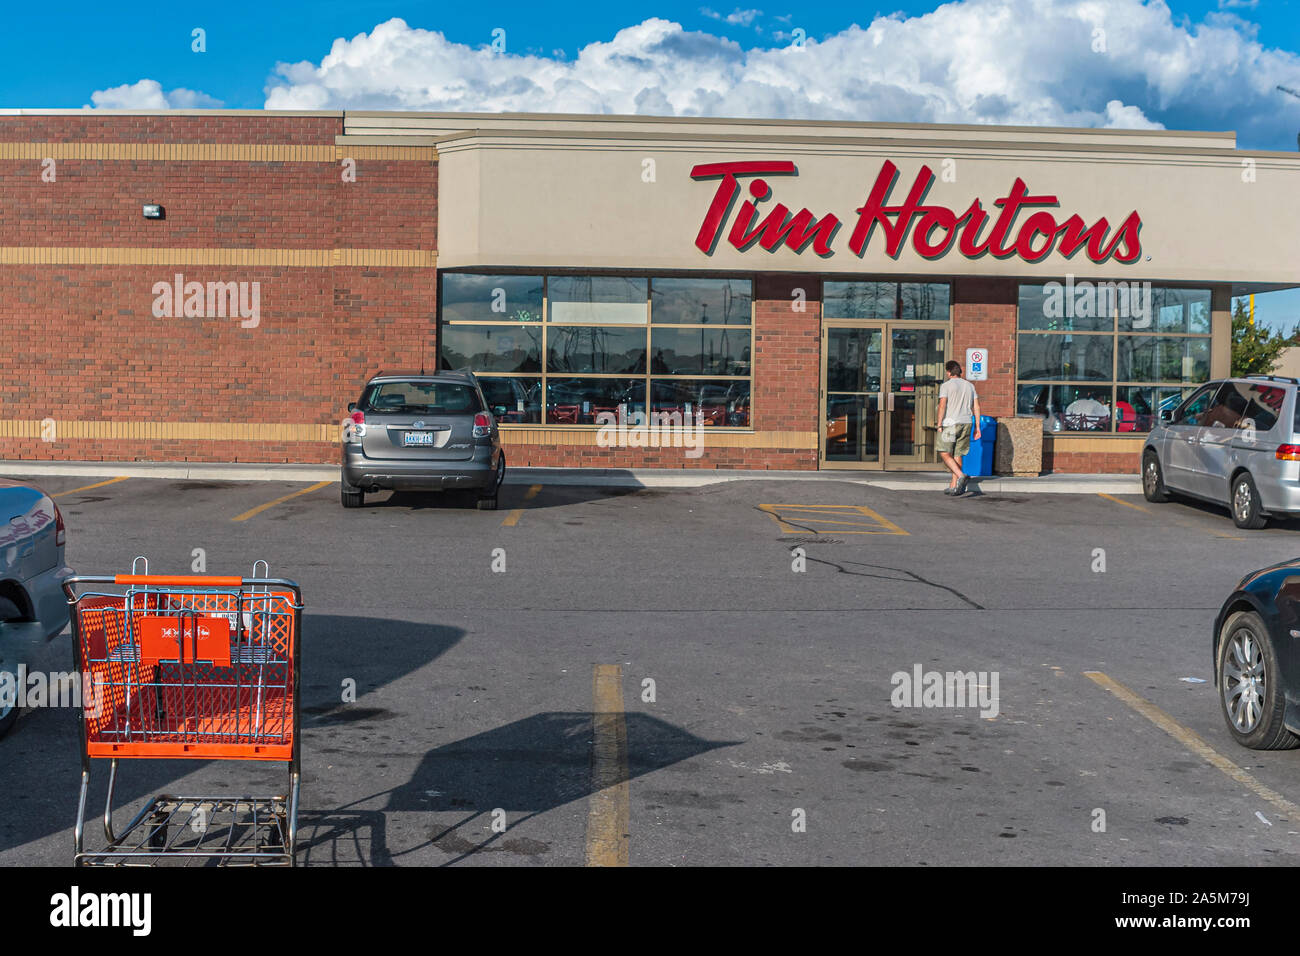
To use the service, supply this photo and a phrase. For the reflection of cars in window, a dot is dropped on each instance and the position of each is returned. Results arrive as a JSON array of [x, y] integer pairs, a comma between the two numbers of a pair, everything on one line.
[[510, 401]]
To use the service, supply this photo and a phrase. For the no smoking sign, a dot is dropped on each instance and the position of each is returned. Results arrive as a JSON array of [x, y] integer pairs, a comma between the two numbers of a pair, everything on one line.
[[977, 364]]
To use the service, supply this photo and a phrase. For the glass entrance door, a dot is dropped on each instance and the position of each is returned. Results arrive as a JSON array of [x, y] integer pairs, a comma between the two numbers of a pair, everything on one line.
[[881, 394], [853, 361], [916, 359]]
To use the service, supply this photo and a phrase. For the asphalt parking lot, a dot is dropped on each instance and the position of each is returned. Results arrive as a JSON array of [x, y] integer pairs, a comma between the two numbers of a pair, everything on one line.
[[651, 680]]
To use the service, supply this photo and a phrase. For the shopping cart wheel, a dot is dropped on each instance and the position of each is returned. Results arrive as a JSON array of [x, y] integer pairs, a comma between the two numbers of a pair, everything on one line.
[[352, 497], [158, 833]]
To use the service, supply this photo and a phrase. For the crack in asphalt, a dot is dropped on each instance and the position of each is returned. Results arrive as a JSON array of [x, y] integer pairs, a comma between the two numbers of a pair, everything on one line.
[[911, 574]]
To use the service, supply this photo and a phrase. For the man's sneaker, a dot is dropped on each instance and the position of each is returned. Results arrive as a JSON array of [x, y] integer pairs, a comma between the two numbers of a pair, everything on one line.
[[949, 490], [961, 485]]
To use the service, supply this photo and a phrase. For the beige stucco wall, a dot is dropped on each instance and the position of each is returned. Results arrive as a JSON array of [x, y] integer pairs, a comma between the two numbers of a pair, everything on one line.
[[545, 192]]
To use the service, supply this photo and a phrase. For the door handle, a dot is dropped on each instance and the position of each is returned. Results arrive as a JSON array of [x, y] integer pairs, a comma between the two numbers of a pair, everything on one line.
[[890, 404]]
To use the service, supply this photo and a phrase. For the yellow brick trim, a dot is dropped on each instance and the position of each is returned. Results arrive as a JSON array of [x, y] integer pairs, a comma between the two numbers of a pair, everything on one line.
[[303, 258], [1115, 445], [211, 152], [170, 431]]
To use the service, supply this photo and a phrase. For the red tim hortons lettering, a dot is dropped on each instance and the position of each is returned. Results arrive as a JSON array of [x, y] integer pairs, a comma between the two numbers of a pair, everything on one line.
[[778, 226], [933, 229]]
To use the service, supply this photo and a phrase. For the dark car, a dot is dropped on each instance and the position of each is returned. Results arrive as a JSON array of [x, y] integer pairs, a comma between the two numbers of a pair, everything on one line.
[[1257, 658], [416, 432]]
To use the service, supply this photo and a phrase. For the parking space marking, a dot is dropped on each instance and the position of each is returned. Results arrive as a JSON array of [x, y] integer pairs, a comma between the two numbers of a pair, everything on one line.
[[1176, 520], [98, 484], [608, 813], [825, 515], [1192, 741], [283, 498], [1126, 504], [512, 519]]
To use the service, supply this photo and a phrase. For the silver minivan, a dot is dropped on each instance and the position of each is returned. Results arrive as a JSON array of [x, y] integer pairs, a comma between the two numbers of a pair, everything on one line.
[[1233, 442]]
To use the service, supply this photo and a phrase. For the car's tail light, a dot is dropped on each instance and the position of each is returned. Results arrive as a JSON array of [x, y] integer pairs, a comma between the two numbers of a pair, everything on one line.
[[354, 428], [482, 425], [60, 529], [1288, 453]]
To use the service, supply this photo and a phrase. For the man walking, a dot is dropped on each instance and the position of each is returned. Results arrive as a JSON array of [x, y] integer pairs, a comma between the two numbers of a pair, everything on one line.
[[958, 404]]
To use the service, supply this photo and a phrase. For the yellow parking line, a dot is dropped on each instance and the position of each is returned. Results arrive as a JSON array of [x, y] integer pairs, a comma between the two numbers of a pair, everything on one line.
[[607, 815], [816, 512], [98, 484], [1194, 743], [512, 519], [1148, 511], [271, 504], [1126, 504]]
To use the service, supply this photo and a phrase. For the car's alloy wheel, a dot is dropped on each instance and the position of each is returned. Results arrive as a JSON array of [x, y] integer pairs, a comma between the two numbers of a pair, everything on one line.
[[1243, 681], [1246, 511], [1153, 481], [1250, 695]]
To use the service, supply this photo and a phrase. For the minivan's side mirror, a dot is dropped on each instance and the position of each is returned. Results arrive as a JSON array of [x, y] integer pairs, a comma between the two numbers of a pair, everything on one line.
[[352, 406], [1166, 415]]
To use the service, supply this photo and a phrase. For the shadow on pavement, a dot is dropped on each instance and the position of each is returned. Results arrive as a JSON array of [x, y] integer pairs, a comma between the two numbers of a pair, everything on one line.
[[525, 768], [40, 760]]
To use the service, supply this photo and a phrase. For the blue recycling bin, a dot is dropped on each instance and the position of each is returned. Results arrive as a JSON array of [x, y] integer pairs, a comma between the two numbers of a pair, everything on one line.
[[978, 462]]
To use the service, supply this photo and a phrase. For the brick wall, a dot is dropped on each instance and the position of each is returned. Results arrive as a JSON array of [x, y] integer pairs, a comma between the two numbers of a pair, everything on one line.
[[82, 342], [984, 316]]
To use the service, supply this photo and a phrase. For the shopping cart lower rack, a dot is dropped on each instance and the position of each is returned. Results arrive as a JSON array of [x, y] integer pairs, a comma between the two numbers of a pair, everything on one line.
[[198, 668]]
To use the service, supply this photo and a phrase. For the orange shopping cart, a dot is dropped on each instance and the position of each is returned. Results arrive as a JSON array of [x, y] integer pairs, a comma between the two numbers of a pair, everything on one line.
[[189, 667]]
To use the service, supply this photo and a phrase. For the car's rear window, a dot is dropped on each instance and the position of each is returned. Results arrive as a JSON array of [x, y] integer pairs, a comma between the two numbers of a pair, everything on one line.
[[422, 398]]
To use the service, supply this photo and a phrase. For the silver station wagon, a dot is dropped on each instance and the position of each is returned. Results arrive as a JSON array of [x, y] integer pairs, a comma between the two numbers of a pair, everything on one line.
[[417, 432], [33, 607], [1233, 442]]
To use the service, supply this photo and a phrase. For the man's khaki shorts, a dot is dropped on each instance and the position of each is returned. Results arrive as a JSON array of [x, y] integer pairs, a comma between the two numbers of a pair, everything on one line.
[[954, 439]]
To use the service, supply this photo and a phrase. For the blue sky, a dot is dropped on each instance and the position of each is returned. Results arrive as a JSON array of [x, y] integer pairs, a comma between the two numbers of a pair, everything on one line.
[[1231, 54], [1207, 64]]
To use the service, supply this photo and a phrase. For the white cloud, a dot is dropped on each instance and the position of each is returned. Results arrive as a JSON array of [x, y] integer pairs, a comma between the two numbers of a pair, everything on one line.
[[149, 95], [1029, 62], [736, 17], [1119, 116]]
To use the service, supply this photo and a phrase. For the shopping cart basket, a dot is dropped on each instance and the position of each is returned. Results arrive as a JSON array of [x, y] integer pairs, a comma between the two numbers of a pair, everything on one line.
[[190, 667]]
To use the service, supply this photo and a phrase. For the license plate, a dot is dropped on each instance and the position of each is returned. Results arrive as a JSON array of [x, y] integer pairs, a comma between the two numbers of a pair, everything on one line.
[[417, 438]]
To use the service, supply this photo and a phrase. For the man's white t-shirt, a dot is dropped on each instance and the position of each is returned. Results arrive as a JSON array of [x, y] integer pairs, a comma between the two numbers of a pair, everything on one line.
[[961, 402]]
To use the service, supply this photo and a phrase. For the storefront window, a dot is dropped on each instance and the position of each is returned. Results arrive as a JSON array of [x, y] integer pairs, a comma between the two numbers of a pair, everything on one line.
[[914, 301], [603, 344], [597, 299], [701, 301], [1108, 356], [491, 298], [492, 348]]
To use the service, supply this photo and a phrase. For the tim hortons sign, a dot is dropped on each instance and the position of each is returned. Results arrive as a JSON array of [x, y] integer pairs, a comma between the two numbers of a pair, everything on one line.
[[934, 230]]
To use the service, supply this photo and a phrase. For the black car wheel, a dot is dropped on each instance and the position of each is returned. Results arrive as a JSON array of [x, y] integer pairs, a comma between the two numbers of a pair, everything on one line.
[[1153, 479], [488, 502], [352, 497], [1246, 510], [1250, 691], [9, 708]]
